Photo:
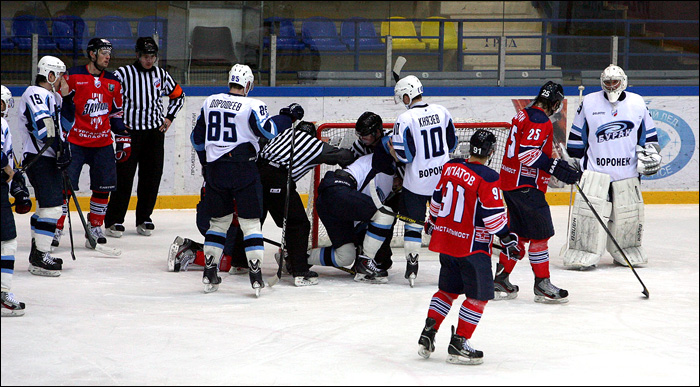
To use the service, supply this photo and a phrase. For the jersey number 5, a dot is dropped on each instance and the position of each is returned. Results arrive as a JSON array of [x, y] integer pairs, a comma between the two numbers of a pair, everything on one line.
[[221, 127]]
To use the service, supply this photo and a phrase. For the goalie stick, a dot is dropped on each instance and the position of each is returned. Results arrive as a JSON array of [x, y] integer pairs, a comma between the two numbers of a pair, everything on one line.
[[571, 190]]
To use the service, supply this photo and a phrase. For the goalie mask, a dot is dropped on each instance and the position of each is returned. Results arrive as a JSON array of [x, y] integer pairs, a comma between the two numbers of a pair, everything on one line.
[[7, 100], [613, 81], [482, 143], [241, 75], [410, 86], [50, 64]]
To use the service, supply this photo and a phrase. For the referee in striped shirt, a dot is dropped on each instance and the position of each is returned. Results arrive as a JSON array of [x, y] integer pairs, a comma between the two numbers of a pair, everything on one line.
[[143, 85]]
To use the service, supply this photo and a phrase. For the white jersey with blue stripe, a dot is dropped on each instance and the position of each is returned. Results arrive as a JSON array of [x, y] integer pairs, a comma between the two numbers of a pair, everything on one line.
[[423, 138], [37, 104], [604, 135], [361, 169], [8, 156]]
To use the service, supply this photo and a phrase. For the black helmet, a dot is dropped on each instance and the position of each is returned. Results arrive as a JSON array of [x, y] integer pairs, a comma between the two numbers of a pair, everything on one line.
[[307, 127], [481, 143], [552, 92], [95, 44], [146, 45], [368, 123]]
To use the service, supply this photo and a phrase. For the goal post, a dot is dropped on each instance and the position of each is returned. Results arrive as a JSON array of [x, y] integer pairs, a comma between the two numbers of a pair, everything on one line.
[[342, 134]]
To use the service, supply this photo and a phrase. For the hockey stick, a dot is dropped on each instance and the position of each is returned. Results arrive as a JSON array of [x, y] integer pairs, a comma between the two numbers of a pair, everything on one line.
[[70, 222], [345, 269], [43, 149], [571, 190], [400, 61], [91, 240], [283, 245], [607, 230]]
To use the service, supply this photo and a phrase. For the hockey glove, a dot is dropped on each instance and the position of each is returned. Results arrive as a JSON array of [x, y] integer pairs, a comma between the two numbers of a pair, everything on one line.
[[295, 111], [19, 191], [564, 171], [648, 160], [63, 155], [429, 225], [123, 147], [510, 246]]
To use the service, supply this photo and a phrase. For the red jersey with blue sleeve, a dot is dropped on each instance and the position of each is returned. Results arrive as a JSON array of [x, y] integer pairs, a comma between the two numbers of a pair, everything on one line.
[[467, 209], [528, 151], [98, 107]]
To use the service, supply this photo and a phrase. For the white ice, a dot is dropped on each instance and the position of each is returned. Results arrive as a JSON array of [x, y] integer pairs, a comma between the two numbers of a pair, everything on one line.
[[128, 321]]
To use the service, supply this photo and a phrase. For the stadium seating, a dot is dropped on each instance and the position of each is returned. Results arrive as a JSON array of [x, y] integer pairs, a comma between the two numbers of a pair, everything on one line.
[[367, 36], [287, 38], [432, 28], [24, 26], [150, 24], [7, 43], [403, 34], [118, 31], [320, 34], [69, 33]]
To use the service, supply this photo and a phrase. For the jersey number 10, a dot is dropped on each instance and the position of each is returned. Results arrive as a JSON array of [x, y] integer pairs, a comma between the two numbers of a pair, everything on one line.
[[433, 144]]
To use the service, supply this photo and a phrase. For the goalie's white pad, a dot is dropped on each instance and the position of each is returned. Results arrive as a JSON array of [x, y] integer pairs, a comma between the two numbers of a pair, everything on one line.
[[586, 236], [342, 256], [627, 221]]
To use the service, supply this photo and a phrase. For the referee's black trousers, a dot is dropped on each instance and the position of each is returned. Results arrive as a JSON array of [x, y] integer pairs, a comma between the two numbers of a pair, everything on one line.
[[274, 182], [147, 152]]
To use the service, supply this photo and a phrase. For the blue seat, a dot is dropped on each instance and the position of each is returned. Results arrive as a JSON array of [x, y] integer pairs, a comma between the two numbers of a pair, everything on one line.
[[24, 26], [150, 24], [287, 38], [320, 34], [367, 35], [212, 46], [117, 30], [69, 32], [7, 43]]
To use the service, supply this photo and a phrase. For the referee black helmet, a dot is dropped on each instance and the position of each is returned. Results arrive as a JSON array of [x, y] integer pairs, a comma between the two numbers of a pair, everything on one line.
[[368, 123], [146, 45], [308, 127], [482, 143]]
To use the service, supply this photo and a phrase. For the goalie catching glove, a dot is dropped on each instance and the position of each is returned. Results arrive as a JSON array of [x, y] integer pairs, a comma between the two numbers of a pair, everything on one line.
[[123, 148], [19, 191], [648, 159], [564, 171]]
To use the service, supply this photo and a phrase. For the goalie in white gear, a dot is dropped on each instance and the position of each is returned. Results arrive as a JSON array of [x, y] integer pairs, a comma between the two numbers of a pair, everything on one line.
[[614, 139]]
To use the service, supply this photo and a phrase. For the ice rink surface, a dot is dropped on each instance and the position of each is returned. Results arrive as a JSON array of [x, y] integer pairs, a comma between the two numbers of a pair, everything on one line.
[[128, 321]]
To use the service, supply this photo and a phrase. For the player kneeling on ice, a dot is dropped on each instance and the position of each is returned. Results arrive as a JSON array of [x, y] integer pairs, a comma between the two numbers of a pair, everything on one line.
[[615, 140], [466, 209], [350, 195]]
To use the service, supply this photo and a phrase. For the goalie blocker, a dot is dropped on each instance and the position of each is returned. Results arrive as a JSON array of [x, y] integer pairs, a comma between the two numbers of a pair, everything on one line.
[[622, 204]]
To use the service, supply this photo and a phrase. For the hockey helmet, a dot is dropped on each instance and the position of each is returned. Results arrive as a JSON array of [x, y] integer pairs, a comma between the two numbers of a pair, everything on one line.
[[241, 75], [96, 44], [146, 45], [482, 143], [410, 86], [307, 127], [368, 124], [7, 100], [613, 80], [50, 64]]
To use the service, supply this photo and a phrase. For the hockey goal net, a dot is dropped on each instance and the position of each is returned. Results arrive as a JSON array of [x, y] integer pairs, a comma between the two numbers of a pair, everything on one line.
[[343, 135]]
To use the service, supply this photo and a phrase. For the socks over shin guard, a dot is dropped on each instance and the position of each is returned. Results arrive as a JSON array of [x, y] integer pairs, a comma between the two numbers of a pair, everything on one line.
[[98, 208], [440, 306], [469, 315], [539, 257]]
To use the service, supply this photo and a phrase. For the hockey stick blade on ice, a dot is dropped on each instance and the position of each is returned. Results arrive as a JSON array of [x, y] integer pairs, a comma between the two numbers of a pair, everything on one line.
[[400, 61]]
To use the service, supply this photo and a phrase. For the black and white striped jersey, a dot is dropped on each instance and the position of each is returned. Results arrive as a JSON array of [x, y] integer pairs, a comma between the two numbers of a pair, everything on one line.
[[142, 92]]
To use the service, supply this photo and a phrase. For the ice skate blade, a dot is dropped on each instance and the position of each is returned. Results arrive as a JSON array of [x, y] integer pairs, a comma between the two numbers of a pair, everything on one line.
[[43, 272], [423, 352], [171, 256], [12, 313], [456, 359], [412, 281], [211, 288], [498, 296], [257, 292], [301, 281], [547, 300], [370, 280]]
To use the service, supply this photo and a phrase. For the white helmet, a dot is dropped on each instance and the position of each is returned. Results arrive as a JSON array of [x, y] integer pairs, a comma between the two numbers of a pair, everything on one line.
[[410, 86], [7, 99], [613, 73], [241, 75], [49, 64]]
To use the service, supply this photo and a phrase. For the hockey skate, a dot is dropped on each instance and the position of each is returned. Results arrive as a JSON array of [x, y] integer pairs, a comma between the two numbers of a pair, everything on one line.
[[181, 254], [427, 338], [43, 264], [145, 228], [256, 278], [210, 279], [10, 306], [97, 234], [305, 278], [503, 289], [366, 271], [115, 231], [56, 238], [547, 293], [411, 268], [461, 352]]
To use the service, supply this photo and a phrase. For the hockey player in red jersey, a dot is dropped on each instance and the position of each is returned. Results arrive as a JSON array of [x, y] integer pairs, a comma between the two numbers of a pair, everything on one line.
[[98, 112], [527, 166], [465, 211]]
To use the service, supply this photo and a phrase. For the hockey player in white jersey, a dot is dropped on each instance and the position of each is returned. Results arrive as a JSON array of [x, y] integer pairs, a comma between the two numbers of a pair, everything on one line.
[[614, 139], [423, 138], [226, 140]]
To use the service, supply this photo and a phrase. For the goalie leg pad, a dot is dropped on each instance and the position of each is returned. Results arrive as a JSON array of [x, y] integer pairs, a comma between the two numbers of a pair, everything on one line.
[[215, 238], [252, 238], [627, 221], [377, 231], [9, 248], [328, 256], [586, 236], [44, 226]]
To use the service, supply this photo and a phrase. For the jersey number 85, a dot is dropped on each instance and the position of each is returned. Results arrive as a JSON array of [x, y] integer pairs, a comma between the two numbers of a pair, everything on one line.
[[221, 127]]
